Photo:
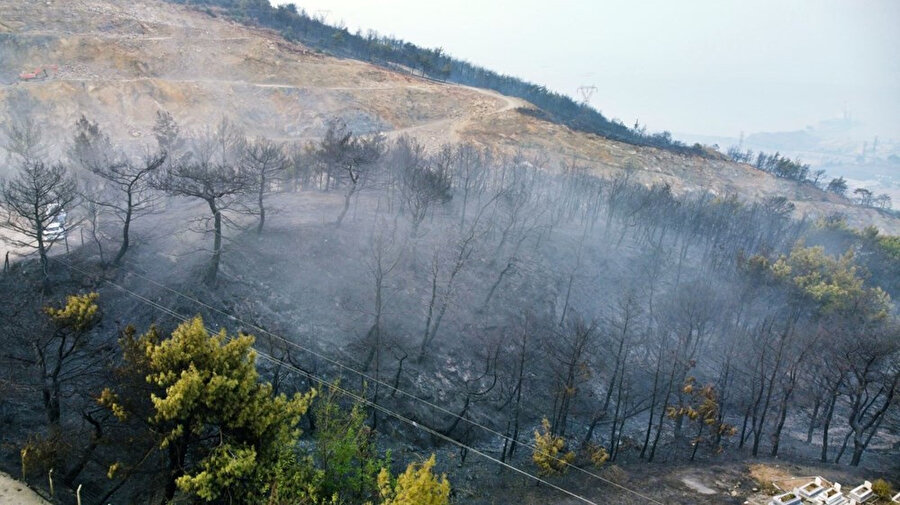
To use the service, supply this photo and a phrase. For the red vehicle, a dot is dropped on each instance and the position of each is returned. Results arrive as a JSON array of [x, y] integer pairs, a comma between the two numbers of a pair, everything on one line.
[[37, 74]]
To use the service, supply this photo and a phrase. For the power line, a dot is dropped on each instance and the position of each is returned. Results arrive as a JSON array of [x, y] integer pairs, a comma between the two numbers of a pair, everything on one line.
[[356, 397], [426, 429], [365, 376], [375, 380], [402, 392]]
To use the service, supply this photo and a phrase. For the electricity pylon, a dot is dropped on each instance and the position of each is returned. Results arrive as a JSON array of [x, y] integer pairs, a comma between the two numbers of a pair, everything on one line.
[[586, 93]]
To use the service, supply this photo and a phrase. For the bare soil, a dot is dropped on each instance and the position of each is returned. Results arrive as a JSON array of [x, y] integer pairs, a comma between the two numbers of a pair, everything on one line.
[[119, 62], [13, 492]]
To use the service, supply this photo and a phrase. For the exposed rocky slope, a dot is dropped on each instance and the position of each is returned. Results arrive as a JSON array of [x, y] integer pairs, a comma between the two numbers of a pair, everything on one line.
[[119, 62]]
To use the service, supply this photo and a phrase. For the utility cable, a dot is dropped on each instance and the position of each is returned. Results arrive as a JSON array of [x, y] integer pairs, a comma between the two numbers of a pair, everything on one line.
[[356, 397]]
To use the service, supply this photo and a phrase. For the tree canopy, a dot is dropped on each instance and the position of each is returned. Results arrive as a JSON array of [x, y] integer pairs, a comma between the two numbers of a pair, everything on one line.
[[223, 428]]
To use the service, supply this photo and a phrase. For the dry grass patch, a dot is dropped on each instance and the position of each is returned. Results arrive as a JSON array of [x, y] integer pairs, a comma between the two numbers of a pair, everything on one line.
[[766, 475], [615, 473]]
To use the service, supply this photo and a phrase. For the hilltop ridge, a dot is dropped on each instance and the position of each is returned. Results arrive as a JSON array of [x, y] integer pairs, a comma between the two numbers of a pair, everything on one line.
[[120, 62]]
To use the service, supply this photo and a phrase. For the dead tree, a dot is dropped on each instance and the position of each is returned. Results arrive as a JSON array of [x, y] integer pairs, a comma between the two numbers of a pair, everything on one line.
[[424, 182], [219, 185], [513, 208], [442, 292], [618, 337], [264, 160], [521, 218], [475, 389], [681, 335], [463, 248], [348, 159], [658, 374], [771, 359], [95, 213], [212, 173], [469, 176], [833, 384], [385, 255], [570, 350], [519, 358], [24, 143], [579, 250], [872, 387], [37, 197], [128, 178], [789, 384]]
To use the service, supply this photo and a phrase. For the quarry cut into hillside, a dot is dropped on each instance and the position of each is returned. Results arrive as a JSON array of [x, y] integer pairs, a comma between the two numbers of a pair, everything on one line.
[[119, 62]]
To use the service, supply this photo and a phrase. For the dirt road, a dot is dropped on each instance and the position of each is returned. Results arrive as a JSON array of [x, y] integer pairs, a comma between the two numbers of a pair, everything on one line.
[[432, 133]]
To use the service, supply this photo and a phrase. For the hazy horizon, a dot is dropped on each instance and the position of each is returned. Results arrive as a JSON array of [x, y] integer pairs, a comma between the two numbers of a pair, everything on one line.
[[707, 68]]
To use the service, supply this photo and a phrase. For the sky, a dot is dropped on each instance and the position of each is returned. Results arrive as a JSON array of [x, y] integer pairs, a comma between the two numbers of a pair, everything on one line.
[[710, 67]]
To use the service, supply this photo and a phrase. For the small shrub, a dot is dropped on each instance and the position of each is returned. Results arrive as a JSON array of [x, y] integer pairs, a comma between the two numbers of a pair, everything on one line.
[[418, 485], [598, 454], [41, 453], [882, 489], [548, 454], [615, 473]]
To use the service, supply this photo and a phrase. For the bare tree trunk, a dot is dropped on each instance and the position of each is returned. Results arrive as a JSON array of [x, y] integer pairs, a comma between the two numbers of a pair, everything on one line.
[[212, 270], [826, 425], [562, 318], [176, 456], [840, 454], [371, 341], [652, 406], [697, 438], [397, 375], [813, 418], [50, 386], [662, 414], [782, 415], [744, 433], [487, 299], [262, 207], [125, 227], [723, 400], [613, 436], [860, 448], [97, 241], [760, 416], [465, 206], [42, 253], [520, 382], [96, 436], [347, 197], [426, 338]]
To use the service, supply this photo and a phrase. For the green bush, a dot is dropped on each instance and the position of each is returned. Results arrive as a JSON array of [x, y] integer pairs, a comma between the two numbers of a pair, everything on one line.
[[882, 489]]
